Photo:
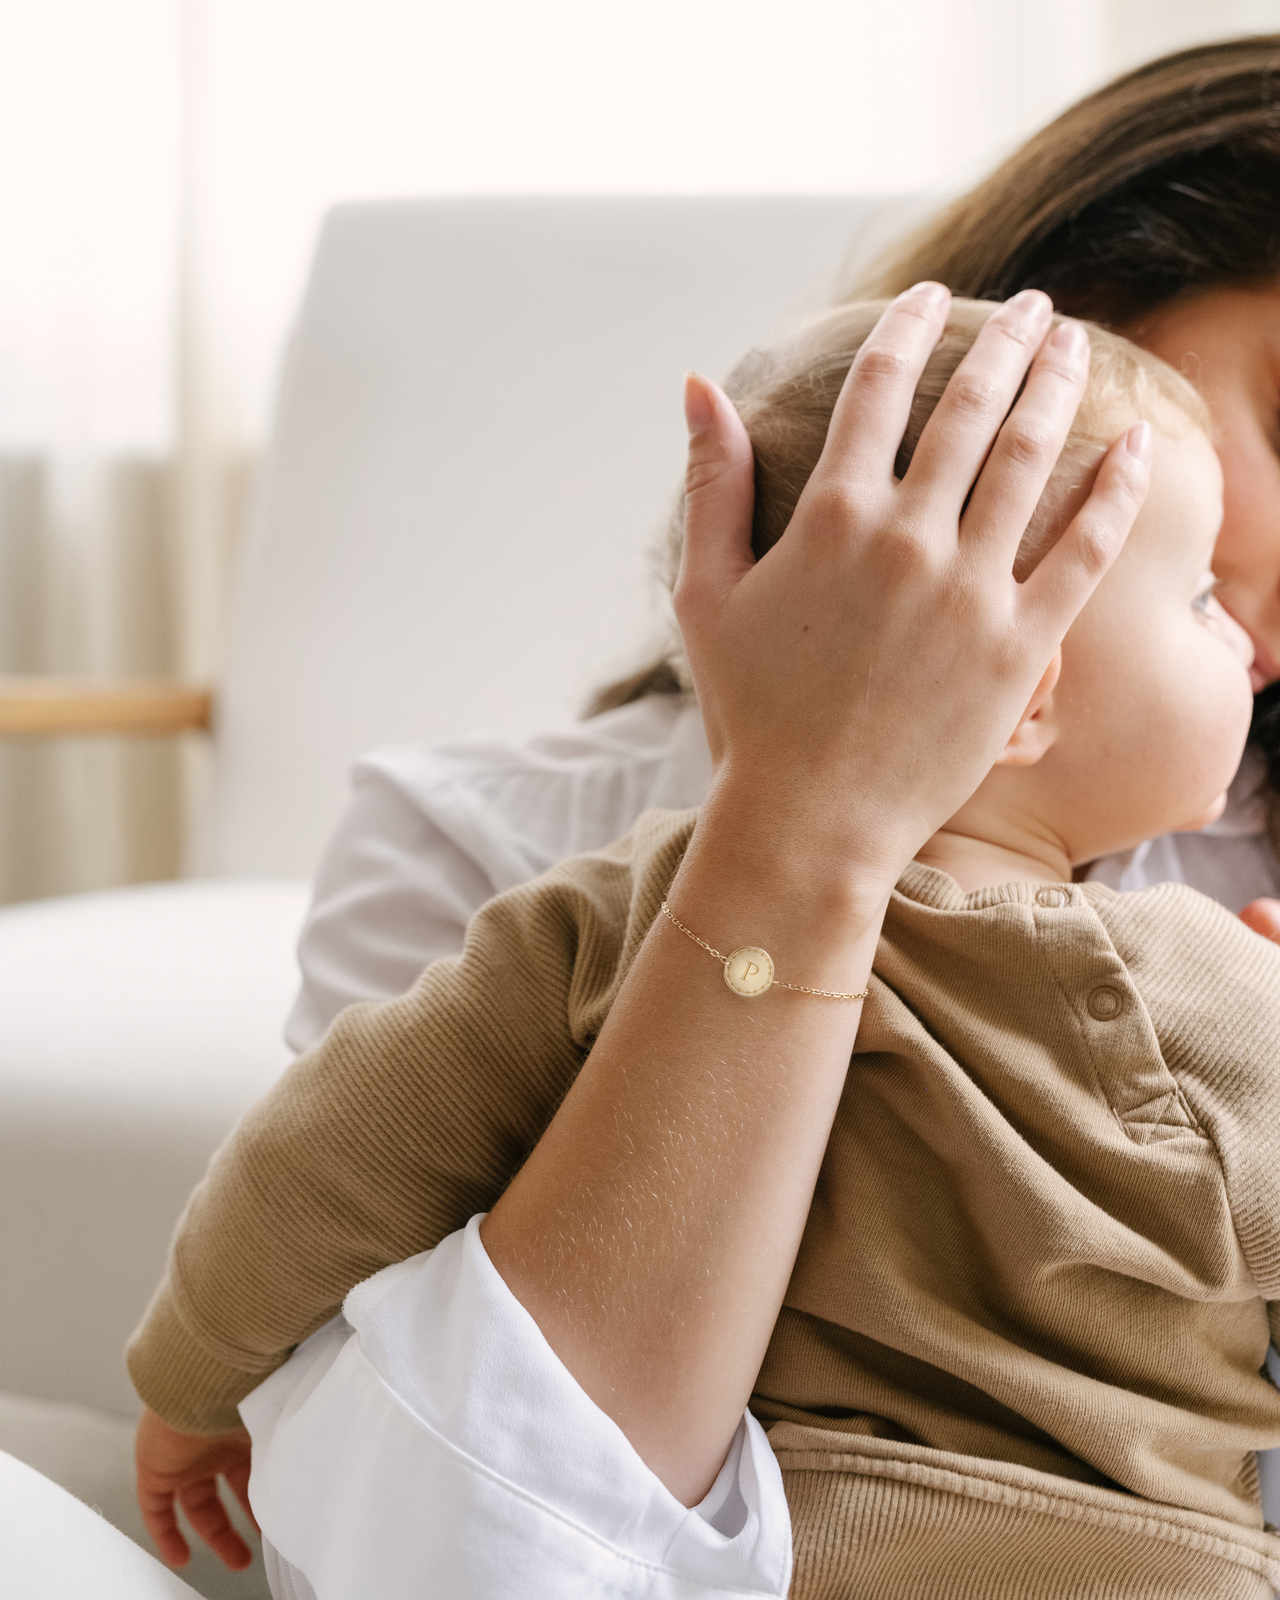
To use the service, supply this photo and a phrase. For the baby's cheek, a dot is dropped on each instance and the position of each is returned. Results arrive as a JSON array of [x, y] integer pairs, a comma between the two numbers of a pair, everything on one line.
[[1208, 709]]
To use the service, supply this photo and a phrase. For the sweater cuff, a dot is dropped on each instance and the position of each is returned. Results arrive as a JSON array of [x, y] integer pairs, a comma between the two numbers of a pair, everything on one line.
[[176, 1376]]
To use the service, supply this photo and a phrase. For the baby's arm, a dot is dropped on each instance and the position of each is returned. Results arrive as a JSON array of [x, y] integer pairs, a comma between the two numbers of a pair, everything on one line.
[[408, 1119]]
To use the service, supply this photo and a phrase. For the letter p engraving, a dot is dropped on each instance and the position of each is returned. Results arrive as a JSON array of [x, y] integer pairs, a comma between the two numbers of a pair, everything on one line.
[[749, 971]]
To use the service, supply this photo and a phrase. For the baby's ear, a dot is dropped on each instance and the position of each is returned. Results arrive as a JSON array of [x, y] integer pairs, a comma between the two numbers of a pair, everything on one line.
[[1036, 732]]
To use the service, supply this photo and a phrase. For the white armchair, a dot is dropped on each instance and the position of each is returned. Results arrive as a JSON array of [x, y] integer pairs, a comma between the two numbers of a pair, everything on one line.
[[478, 431]]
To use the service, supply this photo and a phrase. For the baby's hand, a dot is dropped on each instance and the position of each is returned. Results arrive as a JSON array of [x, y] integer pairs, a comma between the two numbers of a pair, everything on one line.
[[1263, 916], [186, 1467]]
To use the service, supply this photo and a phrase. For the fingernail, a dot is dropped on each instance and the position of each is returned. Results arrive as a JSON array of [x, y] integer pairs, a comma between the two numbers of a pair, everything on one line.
[[699, 408], [1034, 302], [1138, 441], [1071, 339], [930, 293]]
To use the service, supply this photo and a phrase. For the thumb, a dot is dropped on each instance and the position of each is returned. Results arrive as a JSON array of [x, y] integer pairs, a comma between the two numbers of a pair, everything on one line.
[[719, 492]]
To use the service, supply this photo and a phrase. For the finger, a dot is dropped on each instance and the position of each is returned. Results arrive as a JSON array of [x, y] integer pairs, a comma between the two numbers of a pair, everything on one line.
[[208, 1516], [1056, 591], [1031, 439], [1263, 916], [719, 493], [238, 1481], [874, 405], [160, 1522], [964, 424]]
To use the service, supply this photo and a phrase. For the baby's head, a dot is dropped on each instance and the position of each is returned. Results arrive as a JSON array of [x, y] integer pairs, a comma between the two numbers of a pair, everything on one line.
[[1143, 727]]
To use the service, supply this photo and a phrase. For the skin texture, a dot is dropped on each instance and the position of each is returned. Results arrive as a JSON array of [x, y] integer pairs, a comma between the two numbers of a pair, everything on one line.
[[1228, 342]]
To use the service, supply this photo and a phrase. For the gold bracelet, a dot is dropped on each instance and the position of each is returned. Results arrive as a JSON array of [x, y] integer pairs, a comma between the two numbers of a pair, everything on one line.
[[749, 971]]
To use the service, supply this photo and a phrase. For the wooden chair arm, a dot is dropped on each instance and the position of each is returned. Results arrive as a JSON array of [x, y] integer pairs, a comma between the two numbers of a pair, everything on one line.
[[46, 708]]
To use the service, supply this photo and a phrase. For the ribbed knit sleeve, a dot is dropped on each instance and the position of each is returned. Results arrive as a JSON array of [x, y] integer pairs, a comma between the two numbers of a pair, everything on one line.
[[1213, 991], [409, 1118]]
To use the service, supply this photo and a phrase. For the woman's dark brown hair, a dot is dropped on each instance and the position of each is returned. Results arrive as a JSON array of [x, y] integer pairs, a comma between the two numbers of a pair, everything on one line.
[[1159, 185], [1162, 184]]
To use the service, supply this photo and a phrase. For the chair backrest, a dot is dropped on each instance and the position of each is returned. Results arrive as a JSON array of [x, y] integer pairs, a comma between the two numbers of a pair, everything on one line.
[[478, 432]]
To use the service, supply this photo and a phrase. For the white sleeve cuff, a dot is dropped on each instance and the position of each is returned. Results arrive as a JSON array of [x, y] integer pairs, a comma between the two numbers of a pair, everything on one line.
[[433, 1429]]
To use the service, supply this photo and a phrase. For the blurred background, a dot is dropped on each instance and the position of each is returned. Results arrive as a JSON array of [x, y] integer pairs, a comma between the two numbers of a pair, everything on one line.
[[164, 165], [165, 170]]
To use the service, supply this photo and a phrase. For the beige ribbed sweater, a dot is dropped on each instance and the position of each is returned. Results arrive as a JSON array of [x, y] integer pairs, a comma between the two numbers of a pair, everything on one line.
[[1020, 1352]]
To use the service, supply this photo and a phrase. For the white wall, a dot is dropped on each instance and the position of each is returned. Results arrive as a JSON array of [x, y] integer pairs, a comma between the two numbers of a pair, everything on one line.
[[300, 102], [289, 105]]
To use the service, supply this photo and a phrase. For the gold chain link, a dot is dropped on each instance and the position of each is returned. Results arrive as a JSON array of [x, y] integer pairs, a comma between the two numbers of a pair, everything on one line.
[[667, 911], [796, 988]]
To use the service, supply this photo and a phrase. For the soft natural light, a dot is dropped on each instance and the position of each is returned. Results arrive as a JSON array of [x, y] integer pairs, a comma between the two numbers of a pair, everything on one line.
[[291, 105], [89, 202], [304, 103]]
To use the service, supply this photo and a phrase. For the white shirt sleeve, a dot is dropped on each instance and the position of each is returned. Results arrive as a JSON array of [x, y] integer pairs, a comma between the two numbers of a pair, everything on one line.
[[431, 1429], [430, 835], [393, 894]]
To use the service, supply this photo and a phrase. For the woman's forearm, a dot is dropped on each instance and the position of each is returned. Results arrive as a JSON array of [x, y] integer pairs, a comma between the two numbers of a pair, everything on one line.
[[856, 684], [653, 1231]]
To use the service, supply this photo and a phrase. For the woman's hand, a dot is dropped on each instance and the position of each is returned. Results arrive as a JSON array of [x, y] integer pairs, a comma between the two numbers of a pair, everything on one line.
[[862, 678], [183, 1467]]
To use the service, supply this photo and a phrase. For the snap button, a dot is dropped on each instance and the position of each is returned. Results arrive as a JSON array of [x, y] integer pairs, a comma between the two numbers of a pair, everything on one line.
[[1105, 1003], [1051, 897], [749, 971]]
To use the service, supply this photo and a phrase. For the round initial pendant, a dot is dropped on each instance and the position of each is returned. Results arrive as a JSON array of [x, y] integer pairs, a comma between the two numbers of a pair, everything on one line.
[[749, 971]]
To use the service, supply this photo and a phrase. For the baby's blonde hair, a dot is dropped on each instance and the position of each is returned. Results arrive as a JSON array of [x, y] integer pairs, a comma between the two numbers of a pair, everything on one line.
[[785, 396]]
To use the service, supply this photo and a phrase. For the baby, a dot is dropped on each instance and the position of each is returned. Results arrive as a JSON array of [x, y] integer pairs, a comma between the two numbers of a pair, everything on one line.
[[1022, 1348]]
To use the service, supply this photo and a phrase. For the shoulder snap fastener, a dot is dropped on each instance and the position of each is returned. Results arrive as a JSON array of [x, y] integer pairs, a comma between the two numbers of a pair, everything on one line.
[[749, 971], [1105, 1003], [1051, 897]]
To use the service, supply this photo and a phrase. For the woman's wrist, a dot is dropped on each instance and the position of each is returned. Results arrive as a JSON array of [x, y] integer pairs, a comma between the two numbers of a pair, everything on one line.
[[749, 879], [792, 845]]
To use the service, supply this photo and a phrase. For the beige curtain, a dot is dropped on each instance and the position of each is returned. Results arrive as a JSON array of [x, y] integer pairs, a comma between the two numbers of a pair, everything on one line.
[[86, 574], [93, 557], [123, 473]]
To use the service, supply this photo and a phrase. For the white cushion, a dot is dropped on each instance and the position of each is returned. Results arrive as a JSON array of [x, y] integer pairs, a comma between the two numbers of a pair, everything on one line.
[[54, 1548], [135, 1027], [90, 1455]]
